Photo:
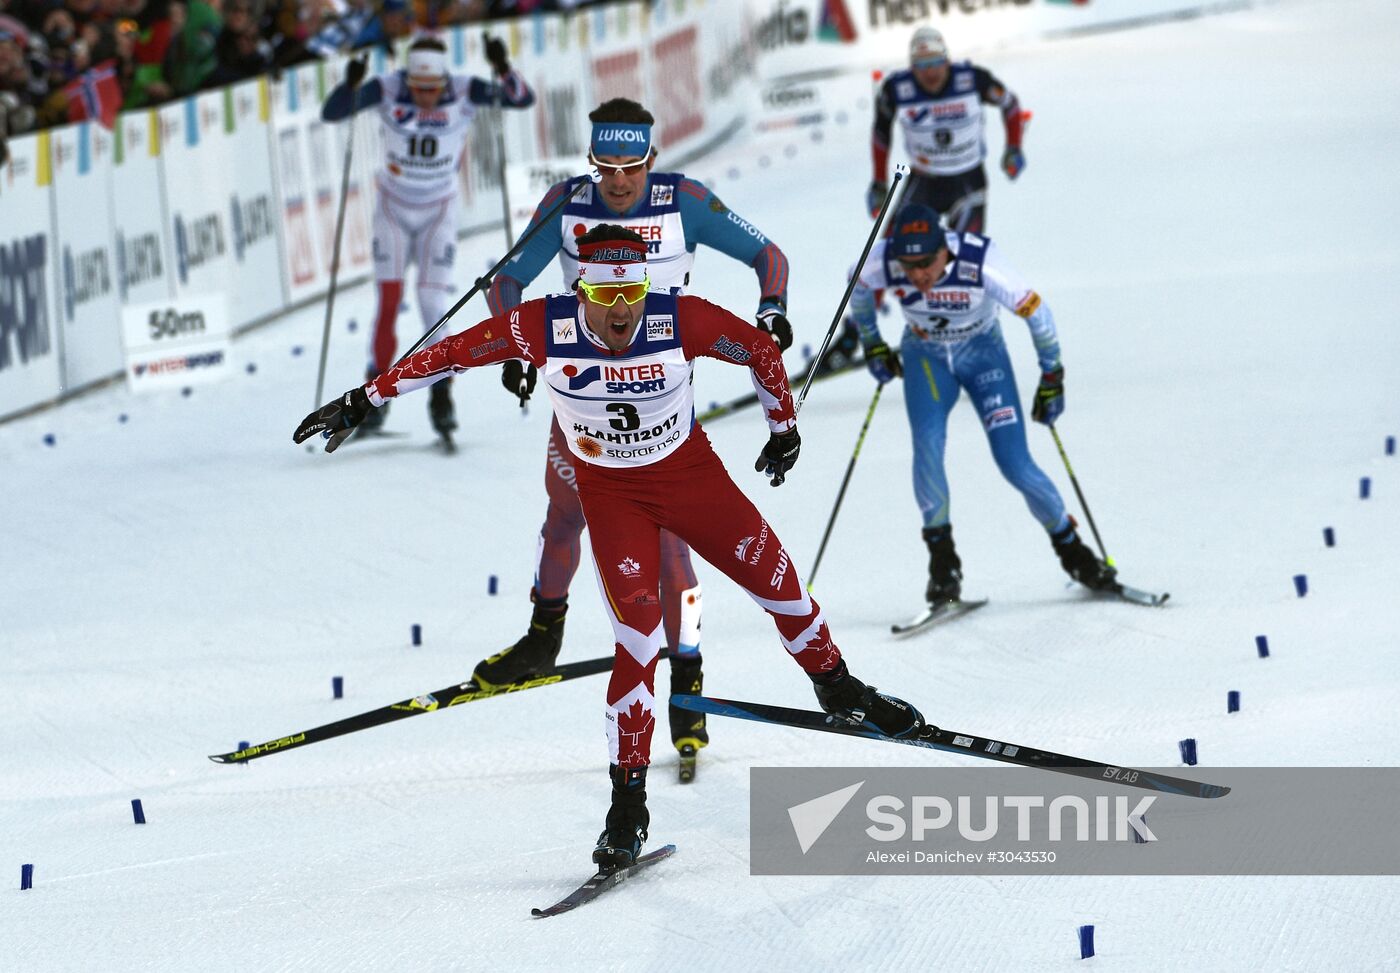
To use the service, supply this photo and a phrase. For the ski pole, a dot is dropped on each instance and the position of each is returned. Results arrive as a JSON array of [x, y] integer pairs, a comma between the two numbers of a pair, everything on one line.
[[335, 251], [841, 494], [1080, 493], [482, 282], [899, 173]]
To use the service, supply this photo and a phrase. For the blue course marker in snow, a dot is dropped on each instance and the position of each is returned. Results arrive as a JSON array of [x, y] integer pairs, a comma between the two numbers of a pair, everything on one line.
[[1188, 751], [417, 633], [1086, 942], [1232, 701], [1300, 584], [137, 812], [1261, 642], [1365, 487], [26, 877], [337, 686], [1328, 537]]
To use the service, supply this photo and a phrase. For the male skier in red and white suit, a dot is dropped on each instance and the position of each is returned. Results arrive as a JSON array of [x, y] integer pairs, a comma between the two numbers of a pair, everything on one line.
[[617, 361]]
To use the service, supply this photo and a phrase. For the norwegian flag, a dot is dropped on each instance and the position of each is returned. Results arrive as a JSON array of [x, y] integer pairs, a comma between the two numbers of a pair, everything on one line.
[[95, 95]]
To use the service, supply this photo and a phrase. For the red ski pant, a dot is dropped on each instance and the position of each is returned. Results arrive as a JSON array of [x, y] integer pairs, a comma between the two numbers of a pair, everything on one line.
[[690, 494], [558, 555]]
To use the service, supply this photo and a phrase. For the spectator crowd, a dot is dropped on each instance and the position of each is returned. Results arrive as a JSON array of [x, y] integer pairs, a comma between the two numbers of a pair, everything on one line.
[[69, 60]]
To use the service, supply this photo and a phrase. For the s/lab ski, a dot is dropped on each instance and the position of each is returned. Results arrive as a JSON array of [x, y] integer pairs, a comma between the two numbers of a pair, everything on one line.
[[969, 744]]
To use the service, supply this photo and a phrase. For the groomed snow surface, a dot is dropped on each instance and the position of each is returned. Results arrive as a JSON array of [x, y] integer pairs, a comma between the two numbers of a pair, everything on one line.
[[1210, 211]]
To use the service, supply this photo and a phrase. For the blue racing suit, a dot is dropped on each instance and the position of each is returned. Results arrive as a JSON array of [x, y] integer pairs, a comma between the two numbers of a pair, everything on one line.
[[952, 341]]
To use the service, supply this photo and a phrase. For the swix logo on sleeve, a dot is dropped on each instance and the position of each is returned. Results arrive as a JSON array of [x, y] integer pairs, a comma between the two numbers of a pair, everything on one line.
[[520, 341]]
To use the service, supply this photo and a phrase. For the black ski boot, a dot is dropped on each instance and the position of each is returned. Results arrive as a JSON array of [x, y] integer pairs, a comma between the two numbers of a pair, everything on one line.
[[373, 421], [626, 830], [688, 731], [845, 697], [1080, 563], [532, 655], [944, 566], [441, 411]]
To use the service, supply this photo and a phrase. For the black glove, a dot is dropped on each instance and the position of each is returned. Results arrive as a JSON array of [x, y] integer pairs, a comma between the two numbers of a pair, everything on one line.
[[1050, 396], [335, 419], [771, 321], [355, 71], [883, 362], [496, 54], [513, 373], [779, 455]]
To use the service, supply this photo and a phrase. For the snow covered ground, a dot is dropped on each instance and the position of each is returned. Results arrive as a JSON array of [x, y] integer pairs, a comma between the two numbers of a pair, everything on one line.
[[1209, 209]]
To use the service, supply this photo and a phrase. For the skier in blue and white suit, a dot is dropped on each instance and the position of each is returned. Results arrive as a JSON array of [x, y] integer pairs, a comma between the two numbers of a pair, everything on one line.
[[949, 286]]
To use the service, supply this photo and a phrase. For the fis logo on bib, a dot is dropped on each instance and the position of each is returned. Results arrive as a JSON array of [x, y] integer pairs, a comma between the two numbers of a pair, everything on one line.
[[662, 195]]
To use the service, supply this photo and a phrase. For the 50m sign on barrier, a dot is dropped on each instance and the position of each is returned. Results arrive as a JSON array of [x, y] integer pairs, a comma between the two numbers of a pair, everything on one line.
[[176, 343]]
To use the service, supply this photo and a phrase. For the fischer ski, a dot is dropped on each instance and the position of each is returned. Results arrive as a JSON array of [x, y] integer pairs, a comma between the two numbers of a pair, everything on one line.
[[933, 615], [602, 881], [721, 409], [454, 695], [968, 744]]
